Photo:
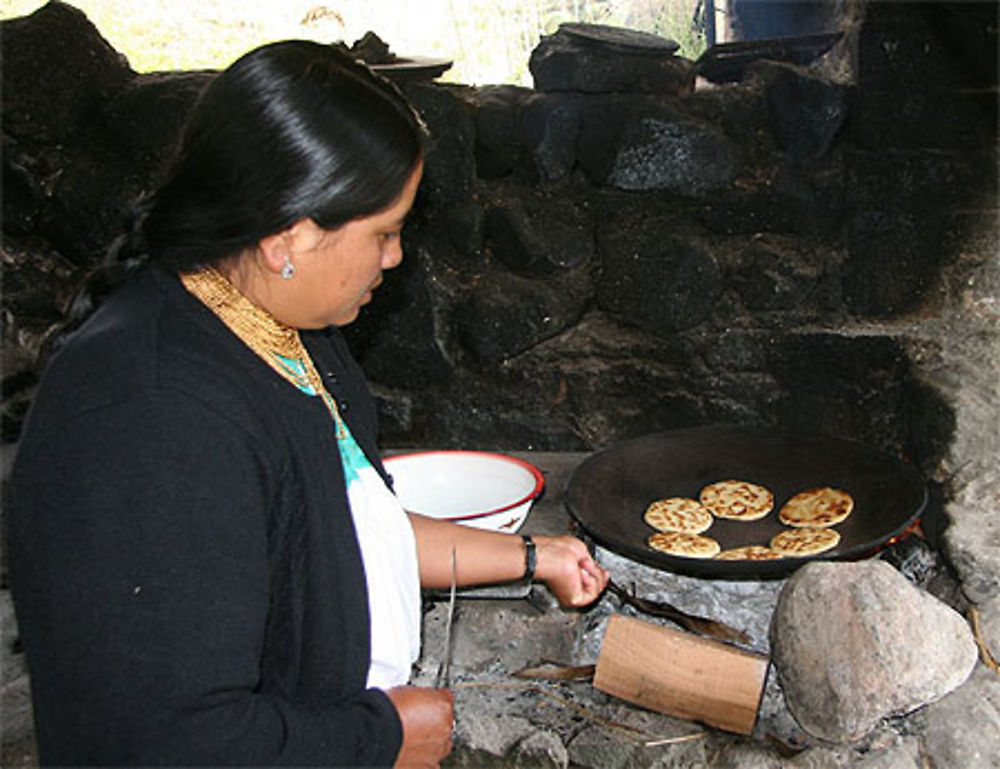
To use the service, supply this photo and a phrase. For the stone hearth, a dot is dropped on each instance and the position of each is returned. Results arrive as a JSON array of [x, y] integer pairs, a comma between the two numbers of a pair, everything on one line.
[[508, 721], [811, 247]]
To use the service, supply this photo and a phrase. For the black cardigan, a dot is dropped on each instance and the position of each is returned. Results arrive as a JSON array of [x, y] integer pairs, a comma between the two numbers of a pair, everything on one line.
[[186, 576]]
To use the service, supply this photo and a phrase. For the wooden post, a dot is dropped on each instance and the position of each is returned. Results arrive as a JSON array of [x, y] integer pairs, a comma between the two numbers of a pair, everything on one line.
[[681, 674]]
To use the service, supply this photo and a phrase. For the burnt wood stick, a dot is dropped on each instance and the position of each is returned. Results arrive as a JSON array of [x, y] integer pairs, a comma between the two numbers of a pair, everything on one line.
[[694, 623]]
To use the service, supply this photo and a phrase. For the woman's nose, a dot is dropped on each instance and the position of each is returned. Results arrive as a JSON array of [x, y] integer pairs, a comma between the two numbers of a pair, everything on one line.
[[392, 255]]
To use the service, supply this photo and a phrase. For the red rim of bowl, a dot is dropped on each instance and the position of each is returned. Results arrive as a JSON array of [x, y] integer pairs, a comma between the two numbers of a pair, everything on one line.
[[535, 473]]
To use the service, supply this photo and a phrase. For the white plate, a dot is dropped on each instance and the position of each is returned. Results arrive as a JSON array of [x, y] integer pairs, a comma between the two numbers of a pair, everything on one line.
[[480, 489]]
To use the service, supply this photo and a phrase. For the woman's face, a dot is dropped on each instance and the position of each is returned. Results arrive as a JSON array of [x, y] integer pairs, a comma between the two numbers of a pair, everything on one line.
[[337, 270]]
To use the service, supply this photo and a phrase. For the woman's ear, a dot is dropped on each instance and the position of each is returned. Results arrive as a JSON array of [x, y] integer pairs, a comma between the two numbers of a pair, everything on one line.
[[276, 249], [279, 249]]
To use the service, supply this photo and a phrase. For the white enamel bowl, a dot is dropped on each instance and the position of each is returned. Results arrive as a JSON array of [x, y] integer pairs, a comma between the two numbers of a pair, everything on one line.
[[475, 488]]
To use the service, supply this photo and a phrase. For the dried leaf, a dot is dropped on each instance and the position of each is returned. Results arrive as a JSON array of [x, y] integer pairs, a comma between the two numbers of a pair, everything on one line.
[[550, 671]]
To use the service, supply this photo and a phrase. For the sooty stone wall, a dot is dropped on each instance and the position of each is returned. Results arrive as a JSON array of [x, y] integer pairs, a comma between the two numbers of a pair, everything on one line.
[[584, 265]]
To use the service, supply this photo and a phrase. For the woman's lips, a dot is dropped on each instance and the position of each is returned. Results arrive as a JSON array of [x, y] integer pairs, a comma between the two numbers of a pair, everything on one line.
[[367, 296]]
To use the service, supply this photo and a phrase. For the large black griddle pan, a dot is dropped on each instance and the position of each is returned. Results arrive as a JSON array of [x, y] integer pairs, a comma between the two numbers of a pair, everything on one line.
[[609, 491]]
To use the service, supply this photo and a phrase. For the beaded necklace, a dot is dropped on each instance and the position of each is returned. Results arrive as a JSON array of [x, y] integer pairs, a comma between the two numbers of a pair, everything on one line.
[[278, 345]]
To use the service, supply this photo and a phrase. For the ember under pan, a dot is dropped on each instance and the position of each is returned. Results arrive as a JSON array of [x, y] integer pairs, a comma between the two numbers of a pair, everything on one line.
[[608, 492]]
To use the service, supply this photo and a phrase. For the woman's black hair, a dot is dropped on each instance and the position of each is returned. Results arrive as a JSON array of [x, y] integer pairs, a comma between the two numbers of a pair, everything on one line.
[[291, 130]]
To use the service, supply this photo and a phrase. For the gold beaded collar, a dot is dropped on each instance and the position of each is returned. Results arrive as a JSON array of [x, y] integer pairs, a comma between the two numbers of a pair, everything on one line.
[[278, 345]]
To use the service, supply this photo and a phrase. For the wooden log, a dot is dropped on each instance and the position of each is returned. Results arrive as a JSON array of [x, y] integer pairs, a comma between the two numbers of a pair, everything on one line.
[[681, 674]]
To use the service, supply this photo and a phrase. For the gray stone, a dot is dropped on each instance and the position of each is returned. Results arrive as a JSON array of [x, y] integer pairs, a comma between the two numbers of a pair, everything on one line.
[[36, 282], [965, 371], [450, 158], [561, 63], [922, 562], [15, 693], [934, 182], [91, 203], [972, 534], [681, 156], [497, 117], [972, 539], [539, 750], [747, 755], [662, 282], [848, 384], [891, 758], [15, 687], [595, 748], [775, 722], [601, 747], [989, 625], [539, 235], [463, 224], [44, 103], [618, 374], [772, 276], [513, 419], [506, 314], [395, 410], [963, 729], [822, 757], [644, 143], [790, 199], [848, 652], [893, 260], [482, 740], [550, 125], [402, 325], [29, 176], [805, 111], [597, 379], [486, 631]]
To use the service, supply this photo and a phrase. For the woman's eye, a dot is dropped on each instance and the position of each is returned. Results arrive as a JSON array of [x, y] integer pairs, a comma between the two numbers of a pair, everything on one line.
[[389, 236]]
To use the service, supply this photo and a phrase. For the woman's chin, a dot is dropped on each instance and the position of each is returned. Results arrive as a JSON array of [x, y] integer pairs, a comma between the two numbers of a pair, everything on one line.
[[347, 318]]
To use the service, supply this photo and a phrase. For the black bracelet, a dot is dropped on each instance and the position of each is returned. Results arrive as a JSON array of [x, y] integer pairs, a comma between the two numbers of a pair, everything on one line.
[[530, 558]]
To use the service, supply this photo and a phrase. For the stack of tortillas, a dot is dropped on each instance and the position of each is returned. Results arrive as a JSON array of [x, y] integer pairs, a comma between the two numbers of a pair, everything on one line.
[[681, 522], [811, 514]]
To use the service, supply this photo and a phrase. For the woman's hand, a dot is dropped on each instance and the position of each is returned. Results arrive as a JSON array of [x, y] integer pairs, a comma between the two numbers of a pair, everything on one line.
[[570, 572], [428, 718], [490, 557]]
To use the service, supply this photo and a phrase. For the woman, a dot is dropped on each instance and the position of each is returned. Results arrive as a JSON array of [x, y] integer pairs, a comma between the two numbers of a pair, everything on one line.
[[208, 565]]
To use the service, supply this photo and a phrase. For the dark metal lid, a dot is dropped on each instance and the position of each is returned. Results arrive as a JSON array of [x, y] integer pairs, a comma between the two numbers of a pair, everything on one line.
[[620, 38], [410, 69], [728, 62]]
